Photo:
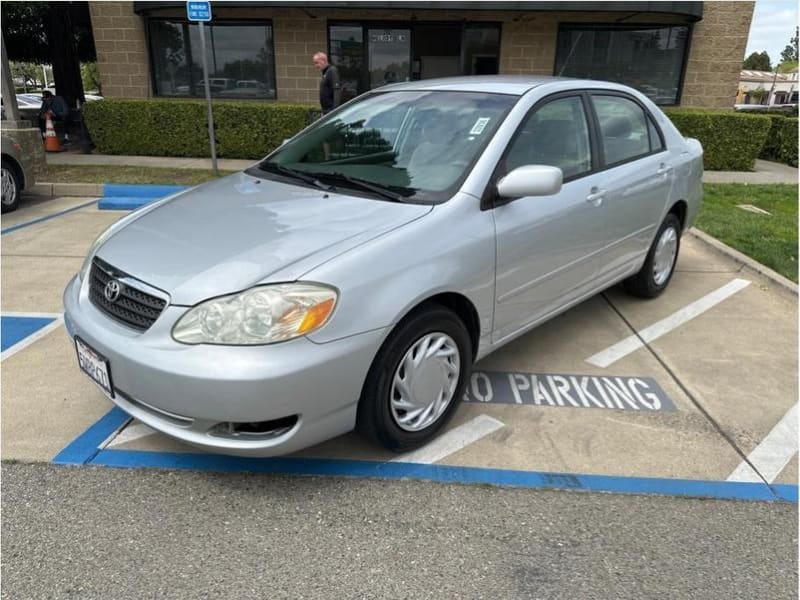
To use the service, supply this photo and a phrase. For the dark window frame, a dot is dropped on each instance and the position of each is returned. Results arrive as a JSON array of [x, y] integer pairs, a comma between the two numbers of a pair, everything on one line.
[[190, 53], [568, 26], [367, 24]]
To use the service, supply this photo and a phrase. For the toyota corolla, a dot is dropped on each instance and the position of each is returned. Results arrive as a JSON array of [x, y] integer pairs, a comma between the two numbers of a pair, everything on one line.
[[352, 277]]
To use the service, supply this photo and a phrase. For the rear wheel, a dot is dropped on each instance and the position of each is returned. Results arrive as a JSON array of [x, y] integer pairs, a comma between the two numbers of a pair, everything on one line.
[[9, 179], [659, 266], [416, 380]]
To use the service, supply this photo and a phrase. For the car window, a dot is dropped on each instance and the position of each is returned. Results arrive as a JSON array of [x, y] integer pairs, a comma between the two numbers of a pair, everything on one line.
[[656, 144], [623, 128], [556, 134]]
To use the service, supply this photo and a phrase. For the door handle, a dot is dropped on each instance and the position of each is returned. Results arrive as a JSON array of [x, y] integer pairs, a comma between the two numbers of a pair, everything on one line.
[[595, 197], [663, 169]]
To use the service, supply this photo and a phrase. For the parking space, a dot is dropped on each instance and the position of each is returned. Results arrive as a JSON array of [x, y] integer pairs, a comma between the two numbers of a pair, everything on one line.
[[692, 393]]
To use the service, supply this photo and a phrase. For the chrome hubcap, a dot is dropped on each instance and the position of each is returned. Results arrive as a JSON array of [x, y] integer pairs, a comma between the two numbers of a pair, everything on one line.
[[664, 260], [9, 190], [425, 382]]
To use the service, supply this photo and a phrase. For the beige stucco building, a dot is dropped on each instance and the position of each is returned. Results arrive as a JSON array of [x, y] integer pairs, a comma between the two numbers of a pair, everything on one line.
[[679, 53], [772, 88]]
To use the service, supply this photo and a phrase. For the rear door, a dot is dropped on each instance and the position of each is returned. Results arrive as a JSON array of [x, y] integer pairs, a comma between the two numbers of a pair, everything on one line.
[[548, 246], [636, 180]]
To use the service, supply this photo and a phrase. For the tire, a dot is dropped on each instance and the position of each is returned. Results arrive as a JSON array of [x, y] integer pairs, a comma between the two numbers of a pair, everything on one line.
[[9, 179], [653, 278], [380, 419]]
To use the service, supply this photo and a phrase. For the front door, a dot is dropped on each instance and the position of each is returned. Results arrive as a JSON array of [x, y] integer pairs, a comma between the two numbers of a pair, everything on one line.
[[548, 246], [389, 52]]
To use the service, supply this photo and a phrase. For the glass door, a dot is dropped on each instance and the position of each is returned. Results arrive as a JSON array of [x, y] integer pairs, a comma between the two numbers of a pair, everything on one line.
[[389, 55]]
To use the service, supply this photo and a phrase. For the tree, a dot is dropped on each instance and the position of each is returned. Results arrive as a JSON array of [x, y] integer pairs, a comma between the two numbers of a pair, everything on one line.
[[758, 61], [29, 73], [790, 52], [90, 77], [758, 94], [57, 33]]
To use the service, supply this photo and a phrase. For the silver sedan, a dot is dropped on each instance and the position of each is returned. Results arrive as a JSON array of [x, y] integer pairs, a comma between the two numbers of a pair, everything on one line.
[[352, 277]]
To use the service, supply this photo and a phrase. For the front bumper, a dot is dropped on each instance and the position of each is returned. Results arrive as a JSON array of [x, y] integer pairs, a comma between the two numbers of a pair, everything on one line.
[[186, 392]]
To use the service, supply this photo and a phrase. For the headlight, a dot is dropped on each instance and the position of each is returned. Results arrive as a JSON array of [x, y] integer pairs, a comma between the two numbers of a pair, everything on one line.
[[260, 315], [126, 220]]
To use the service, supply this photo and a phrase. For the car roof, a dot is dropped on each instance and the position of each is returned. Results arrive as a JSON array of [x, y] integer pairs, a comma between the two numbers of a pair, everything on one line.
[[515, 85]]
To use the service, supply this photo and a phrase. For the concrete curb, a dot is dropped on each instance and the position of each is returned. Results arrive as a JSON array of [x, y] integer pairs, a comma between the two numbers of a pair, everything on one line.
[[744, 259], [53, 190]]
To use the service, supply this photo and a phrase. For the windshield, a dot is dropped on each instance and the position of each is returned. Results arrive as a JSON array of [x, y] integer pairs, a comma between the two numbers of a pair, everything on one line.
[[419, 145]]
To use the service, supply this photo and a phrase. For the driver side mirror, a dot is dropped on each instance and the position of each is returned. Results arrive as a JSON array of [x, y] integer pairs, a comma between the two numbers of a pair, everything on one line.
[[531, 180]]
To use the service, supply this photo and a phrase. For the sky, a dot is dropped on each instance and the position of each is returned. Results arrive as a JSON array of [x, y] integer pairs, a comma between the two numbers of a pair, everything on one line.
[[772, 27]]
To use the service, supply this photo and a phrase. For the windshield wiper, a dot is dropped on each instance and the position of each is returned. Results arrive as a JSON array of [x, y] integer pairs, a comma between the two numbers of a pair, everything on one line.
[[295, 174], [363, 184]]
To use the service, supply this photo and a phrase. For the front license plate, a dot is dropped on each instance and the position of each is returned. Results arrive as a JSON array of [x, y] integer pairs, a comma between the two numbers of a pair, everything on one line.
[[95, 366]]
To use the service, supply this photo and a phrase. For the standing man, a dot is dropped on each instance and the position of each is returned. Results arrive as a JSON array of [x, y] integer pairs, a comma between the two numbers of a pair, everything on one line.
[[330, 89]]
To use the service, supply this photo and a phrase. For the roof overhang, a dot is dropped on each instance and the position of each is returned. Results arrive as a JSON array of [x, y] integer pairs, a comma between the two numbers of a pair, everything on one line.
[[691, 11]]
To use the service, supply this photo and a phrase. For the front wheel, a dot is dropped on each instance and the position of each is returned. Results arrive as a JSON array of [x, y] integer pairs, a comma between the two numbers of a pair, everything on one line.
[[659, 265], [416, 380], [10, 186]]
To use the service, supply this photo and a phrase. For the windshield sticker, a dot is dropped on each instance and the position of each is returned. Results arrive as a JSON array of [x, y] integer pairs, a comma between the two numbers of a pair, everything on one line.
[[479, 126]]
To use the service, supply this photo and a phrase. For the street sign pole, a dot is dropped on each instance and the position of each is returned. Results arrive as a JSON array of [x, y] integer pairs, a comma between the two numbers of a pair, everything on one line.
[[211, 138], [200, 12]]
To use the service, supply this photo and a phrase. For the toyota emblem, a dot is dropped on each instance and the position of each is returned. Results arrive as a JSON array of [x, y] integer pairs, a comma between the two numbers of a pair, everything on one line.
[[112, 290]]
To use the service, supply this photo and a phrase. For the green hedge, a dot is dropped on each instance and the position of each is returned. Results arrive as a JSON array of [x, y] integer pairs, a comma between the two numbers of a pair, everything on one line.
[[179, 127], [731, 141], [781, 145], [158, 127]]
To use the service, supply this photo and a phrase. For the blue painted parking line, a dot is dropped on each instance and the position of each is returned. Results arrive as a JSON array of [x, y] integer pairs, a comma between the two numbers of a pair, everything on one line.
[[87, 445], [84, 450], [18, 331], [133, 196], [13, 228]]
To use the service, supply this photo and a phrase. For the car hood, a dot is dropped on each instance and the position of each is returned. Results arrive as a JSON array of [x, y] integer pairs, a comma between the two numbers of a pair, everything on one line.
[[228, 235]]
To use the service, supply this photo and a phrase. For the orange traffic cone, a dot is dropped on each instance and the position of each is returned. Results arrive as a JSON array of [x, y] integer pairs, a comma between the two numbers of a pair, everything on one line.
[[51, 143]]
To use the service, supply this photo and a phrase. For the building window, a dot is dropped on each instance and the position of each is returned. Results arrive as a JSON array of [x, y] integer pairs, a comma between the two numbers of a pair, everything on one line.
[[649, 58], [240, 57], [371, 54]]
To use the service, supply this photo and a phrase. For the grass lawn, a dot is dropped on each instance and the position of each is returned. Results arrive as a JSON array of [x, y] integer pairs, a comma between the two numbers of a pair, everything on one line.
[[119, 174], [769, 239]]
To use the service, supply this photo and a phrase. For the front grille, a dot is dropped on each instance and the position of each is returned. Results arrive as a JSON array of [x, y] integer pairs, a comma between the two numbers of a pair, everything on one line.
[[133, 307]]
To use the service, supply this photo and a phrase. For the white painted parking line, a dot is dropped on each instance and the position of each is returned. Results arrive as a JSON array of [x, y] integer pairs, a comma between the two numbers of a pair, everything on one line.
[[452, 441], [621, 349], [132, 432], [772, 455], [25, 342]]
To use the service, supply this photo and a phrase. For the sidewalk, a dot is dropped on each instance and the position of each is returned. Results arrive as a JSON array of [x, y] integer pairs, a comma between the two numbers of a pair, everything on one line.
[[766, 172], [168, 162]]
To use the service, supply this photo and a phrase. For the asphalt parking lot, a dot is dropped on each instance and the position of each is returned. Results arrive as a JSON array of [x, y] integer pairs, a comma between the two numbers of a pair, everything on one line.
[[691, 394]]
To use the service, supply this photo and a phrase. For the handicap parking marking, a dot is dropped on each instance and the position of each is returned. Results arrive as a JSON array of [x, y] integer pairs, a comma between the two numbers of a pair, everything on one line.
[[774, 452], [87, 449], [612, 354], [20, 330], [18, 226]]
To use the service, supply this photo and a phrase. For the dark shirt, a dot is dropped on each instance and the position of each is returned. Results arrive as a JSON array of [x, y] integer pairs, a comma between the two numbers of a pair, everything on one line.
[[56, 104], [330, 89]]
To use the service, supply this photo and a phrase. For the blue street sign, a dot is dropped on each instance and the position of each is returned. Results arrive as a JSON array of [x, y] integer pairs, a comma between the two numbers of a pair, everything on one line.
[[198, 11]]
